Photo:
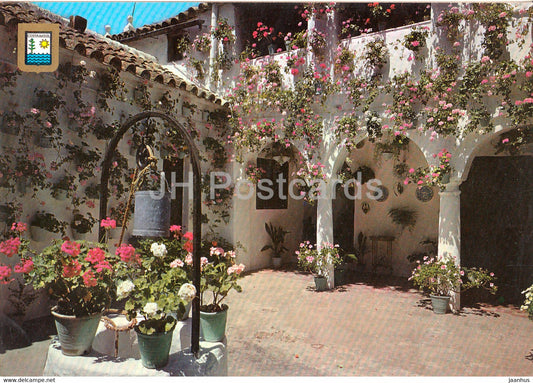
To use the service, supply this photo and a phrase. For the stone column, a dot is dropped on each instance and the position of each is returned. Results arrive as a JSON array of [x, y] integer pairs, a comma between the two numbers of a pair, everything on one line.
[[450, 230], [324, 226]]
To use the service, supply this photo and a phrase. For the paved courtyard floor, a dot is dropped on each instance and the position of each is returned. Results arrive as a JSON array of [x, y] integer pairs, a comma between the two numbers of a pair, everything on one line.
[[280, 326]]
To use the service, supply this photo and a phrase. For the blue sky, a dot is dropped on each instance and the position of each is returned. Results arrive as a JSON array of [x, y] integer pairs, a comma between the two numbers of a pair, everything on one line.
[[99, 14]]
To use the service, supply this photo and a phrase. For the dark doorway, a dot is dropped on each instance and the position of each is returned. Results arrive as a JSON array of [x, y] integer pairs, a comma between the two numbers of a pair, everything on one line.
[[343, 220], [176, 204], [497, 222]]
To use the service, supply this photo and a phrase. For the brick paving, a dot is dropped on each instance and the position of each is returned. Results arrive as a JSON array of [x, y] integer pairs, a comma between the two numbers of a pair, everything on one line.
[[279, 325]]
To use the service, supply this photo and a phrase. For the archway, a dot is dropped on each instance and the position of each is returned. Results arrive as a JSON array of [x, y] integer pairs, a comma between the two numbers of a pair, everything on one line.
[[197, 209], [497, 217], [371, 216]]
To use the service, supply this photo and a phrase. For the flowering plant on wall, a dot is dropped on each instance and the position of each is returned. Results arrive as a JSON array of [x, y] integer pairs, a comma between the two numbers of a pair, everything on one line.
[[224, 32], [202, 43], [254, 173], [437, 175], [153, 280], [317, 261], [442, 276], [416, 39]]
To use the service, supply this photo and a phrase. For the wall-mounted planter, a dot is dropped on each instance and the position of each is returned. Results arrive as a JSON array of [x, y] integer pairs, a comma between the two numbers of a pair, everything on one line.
[[5, 210], [45, 142], [60, 194], [38, 234], [77, 236]]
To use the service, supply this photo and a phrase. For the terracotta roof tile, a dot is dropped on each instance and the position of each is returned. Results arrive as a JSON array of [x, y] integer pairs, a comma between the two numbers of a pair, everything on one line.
[[189, 14], [99, 48]]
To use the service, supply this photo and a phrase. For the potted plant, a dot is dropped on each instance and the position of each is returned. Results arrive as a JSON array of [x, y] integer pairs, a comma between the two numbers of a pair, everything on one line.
[[60, 190], [340, 269], [78, 276], [43, 224], [277, 239], [403, 217], [317, 261], [219, 276], [157, 290], [81, 225], [92, 191], [442, 276]]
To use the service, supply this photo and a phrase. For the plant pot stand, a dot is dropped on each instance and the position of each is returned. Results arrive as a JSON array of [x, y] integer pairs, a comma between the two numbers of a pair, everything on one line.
[[100, 361]]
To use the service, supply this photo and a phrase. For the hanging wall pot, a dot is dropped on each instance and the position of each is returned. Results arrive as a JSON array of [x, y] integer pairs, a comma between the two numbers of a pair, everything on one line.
[[424, 193]]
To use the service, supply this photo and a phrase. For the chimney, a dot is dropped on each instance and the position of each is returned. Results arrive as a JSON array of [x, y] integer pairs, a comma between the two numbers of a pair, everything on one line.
[[78, 23]]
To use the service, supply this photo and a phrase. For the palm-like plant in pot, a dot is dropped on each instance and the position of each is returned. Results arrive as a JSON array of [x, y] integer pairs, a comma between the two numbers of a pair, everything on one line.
[[157, 291], [277, 239], [219, 275], [442, 276]]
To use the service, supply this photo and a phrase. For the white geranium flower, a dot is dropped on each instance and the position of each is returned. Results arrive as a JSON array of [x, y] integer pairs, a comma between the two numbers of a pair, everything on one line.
[[150, 308], [159, 250], [124, 288], [187, 292]]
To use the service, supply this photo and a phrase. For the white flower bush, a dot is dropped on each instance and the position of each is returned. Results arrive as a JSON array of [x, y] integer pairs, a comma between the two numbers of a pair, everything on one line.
[[158, 250], [187, 292], [124, 289], [150, 309]]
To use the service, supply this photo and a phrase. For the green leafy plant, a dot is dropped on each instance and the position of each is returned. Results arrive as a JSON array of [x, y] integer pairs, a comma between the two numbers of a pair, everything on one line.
[[48, 222], [376, 53], [404, 217], [277, 239], [82, 223]]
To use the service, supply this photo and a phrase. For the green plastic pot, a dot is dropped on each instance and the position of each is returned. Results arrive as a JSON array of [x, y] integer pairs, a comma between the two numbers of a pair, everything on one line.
[[154, 348], [321, 284], [213, 325], [75, 334], [440, 303]]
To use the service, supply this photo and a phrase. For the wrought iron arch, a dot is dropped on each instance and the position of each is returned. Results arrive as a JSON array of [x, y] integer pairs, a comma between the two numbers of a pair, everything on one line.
[[197, 204]]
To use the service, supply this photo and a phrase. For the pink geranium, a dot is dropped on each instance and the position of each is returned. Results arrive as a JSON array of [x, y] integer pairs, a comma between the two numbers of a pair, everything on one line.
[[5, 273], [19, 227], [10, 247], [176, 263], [127, 253], [72, 269], [95, 255], [25, 266], [108, 223], [89, 279], [71, 247]]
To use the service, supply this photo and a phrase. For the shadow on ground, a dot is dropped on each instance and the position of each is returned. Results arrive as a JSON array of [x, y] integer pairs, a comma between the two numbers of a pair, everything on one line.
[[14, 335]]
